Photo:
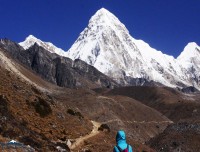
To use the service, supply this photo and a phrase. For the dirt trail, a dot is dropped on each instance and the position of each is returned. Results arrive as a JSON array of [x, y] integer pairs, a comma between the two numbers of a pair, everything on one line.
[[95, 131], [139, 122], [80, 140]]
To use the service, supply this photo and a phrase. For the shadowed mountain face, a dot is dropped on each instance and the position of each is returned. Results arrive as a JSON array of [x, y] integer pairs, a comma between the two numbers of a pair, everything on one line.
[[56, 69]]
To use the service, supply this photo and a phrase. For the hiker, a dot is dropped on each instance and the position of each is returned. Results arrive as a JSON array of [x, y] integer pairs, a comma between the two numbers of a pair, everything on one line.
[[122, 146]]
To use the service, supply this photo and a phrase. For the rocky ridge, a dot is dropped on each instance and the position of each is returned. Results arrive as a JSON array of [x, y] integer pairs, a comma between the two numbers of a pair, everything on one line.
[[57, 69]]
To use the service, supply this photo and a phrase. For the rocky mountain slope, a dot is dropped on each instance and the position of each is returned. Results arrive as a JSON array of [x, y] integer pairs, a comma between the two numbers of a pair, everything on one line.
[[57, 69], [182, 136]]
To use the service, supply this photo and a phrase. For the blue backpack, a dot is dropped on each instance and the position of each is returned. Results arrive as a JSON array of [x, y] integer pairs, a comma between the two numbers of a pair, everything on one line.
[[125, 150]]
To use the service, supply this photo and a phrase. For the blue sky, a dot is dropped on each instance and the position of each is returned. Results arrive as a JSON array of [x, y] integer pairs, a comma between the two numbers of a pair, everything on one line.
[[167, 25]]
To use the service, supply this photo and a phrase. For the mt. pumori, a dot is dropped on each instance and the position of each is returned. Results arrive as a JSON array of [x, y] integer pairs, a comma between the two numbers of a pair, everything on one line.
[[107, 45]]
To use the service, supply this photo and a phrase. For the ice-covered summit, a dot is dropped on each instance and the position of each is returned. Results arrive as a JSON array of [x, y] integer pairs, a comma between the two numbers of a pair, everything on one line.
[[106, 18], [191, 50], [31, 40], [105, 44]]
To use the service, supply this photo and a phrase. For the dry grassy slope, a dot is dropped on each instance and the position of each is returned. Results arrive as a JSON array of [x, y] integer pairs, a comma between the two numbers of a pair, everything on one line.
[[181, 108], [173, 104], [36, 111], [105, 142], [42, 116], [139, 121], [33, 117]]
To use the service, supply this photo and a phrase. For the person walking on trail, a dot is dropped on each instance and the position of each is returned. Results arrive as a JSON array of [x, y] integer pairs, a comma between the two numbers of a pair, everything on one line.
[[122, 145]]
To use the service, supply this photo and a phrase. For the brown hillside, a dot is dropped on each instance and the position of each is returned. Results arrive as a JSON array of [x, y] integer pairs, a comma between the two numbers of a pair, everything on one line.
[[33, 118], [182, 136], [45, 116], [170, 102]]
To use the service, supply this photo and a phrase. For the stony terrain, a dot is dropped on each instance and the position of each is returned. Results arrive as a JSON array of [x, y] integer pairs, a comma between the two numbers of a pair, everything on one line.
[[182, 136]]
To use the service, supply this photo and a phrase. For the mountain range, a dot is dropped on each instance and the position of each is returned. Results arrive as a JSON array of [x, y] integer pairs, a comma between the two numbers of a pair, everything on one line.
[[76, 100], [107, 45]]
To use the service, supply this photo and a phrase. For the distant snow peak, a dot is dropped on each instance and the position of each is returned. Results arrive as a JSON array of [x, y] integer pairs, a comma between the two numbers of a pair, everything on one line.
[[31, 40], [191, 50], [31, 37], [103, 10], [104, 18], [102, 13]]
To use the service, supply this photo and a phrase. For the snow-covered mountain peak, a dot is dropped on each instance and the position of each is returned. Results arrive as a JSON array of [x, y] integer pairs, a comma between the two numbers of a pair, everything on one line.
[[191, 50], [104, 18], [107, 45], [31, 40], [103, 39], [103, 11], [31, 37]]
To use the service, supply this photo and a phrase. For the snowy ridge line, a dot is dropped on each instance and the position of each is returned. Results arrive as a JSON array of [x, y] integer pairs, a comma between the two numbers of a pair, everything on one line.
[[31, 40]]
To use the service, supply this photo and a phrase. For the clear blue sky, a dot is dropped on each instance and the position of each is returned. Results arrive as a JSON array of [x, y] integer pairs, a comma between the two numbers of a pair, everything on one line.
[[167, 25]]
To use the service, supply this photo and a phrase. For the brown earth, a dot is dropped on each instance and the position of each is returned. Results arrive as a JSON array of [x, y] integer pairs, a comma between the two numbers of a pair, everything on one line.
[[45, 116], [172, 103], [183, 109], [34, 118]]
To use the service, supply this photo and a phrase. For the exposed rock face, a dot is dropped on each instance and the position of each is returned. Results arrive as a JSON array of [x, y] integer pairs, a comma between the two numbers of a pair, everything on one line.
[[190, 89], [13, 48], [141, 82], [57, 69]]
